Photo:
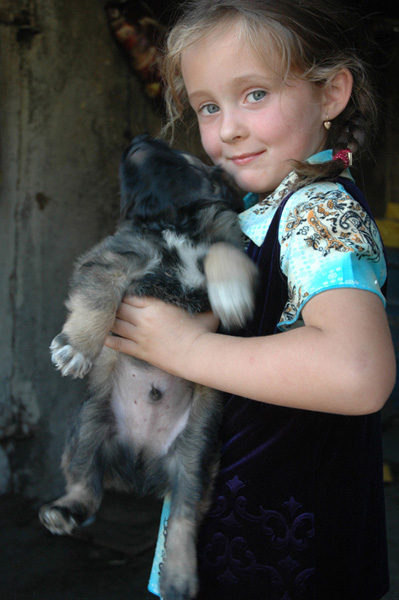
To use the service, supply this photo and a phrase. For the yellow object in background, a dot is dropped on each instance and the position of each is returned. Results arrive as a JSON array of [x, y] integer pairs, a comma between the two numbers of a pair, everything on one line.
[[388, 477], [389, 226]]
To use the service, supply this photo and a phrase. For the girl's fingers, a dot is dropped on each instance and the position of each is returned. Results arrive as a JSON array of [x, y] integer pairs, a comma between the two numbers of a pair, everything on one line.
[[137, 302], [125, 312], [120, 344], [122, 327], [129, 306]]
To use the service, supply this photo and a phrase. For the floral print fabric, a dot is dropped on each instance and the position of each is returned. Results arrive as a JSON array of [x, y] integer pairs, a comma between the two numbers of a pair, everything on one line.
[[327, 241]]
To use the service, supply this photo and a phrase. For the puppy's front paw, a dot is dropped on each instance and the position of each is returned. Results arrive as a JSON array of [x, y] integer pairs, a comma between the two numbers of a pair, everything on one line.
[[231, 280], [68, 359], [232, 301]]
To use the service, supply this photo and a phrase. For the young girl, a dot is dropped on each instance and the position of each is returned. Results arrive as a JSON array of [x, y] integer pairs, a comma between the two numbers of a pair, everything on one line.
[[282, 101]]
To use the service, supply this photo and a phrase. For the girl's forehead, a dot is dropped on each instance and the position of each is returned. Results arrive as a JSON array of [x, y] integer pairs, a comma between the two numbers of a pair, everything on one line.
[[229, 46]]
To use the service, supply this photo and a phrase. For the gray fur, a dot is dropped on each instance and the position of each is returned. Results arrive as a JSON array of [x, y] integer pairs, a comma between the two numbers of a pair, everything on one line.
[[140, 428]]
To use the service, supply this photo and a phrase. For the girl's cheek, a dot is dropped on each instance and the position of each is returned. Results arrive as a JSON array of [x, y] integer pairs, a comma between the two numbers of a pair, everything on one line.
[[209, 144]]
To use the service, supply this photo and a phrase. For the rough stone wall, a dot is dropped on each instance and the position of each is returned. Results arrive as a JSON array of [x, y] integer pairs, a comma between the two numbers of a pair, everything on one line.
[[69, 103]]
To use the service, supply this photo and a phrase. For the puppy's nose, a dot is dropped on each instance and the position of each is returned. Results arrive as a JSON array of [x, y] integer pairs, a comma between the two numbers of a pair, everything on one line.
[[136, 144], [138, 139]]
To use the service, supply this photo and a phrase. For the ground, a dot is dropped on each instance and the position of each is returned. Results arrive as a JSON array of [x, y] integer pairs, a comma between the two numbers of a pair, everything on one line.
[[111, 558]]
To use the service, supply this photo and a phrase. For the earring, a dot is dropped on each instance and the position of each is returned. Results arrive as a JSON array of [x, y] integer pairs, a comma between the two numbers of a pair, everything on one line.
[[327, 124]]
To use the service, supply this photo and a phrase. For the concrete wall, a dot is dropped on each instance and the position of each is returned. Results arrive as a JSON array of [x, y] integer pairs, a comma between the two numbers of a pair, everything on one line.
[[69, 103]]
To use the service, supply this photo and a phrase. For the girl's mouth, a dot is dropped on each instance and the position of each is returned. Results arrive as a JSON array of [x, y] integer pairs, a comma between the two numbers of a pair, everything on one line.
[[244, 159]]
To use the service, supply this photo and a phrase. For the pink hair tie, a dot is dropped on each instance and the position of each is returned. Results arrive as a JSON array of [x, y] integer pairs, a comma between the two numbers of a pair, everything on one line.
[[345, 156]]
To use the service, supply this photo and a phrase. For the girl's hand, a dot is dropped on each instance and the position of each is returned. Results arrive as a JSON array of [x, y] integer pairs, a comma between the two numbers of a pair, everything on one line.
[[341, 361], [159, 333]]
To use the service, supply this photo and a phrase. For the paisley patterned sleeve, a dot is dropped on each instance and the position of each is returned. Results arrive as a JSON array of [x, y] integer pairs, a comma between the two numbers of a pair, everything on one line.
[[327, 241]]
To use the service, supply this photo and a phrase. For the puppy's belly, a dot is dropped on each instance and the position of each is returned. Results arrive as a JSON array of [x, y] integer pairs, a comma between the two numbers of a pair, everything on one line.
[[150, 406]]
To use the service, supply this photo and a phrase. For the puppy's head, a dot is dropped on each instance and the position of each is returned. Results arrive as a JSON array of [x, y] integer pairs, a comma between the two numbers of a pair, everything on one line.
[[162, 186]]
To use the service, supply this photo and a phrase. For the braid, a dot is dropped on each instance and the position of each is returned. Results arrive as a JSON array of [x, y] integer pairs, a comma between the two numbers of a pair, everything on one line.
[[353, 128]]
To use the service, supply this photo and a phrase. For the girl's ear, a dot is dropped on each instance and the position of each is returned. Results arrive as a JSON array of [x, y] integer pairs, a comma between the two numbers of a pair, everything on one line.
[[337, 92]]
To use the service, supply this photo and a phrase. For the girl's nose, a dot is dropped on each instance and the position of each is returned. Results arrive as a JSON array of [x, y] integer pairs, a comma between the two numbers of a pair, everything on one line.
[[232, 127]]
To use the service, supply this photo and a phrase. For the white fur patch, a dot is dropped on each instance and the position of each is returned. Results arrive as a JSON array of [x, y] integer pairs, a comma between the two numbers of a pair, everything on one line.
[[189, 255], [232, 301]]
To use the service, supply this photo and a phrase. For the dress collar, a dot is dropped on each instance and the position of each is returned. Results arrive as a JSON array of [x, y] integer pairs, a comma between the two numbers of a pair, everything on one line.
[[256, 219]]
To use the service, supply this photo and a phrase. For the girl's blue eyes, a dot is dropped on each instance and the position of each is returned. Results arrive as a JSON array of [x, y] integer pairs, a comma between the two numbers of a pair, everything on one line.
[[209, 109], [256, 95], [251, 98]]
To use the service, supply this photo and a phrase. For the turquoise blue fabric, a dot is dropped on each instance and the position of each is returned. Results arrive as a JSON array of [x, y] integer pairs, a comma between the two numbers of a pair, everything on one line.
[[327, 240], [153, 584]]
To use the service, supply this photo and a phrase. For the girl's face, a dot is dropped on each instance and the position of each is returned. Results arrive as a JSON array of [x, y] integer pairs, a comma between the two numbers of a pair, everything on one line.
[[251, 122]]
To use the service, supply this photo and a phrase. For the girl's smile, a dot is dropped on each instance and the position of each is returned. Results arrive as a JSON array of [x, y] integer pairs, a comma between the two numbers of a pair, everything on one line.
[[251, 122], [244, 159]]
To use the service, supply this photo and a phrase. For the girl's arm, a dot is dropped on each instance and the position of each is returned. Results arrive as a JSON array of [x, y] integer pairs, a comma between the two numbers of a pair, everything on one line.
[[341, 361]]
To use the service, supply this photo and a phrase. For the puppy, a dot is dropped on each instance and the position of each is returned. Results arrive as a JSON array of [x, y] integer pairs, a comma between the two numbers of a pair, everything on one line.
[[140, 428]]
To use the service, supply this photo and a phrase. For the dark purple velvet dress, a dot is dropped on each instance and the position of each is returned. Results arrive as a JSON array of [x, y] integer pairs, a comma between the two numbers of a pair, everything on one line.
[[298, 509]]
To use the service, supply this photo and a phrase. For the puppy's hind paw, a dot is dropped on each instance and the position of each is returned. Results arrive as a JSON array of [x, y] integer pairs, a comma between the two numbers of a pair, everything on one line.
[[179, 577], [180, 588], [68, 359], [57, 519]]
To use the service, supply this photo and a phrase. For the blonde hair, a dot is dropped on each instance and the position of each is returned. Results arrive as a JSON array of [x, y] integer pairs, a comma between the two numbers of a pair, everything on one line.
[[314, 39]]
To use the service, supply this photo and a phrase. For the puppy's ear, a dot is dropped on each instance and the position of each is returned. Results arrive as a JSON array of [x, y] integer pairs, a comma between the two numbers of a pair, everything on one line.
[[127, 178], [143, 196], [226, 189], [127, 203]]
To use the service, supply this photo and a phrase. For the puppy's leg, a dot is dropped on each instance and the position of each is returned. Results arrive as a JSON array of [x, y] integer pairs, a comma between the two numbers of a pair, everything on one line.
[[193, 468], [81, 340], [66, 514], [83, 462], [231, 279], [99, 282], [179, 579]]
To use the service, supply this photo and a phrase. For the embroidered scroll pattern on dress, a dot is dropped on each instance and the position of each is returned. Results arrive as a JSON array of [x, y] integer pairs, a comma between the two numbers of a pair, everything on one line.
[[317, 232], [273, 201], [296, 297], [285, 533], [333, 221]]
